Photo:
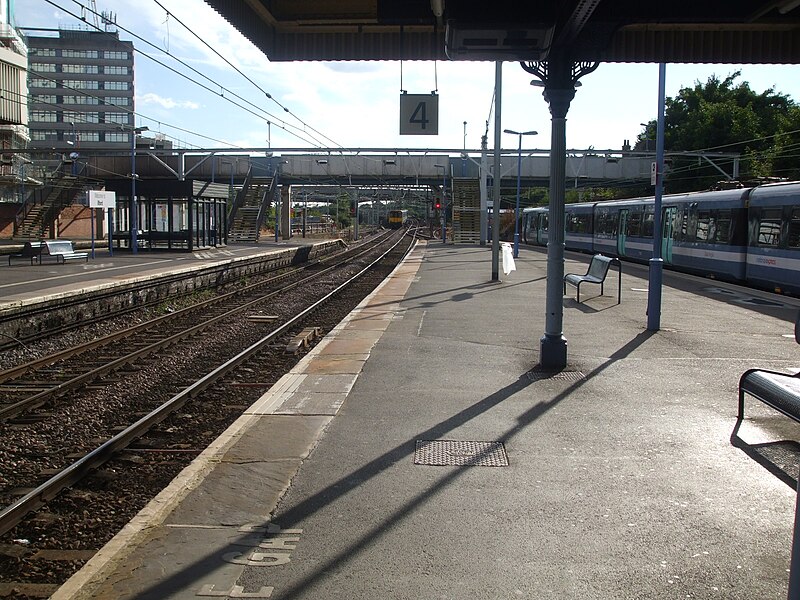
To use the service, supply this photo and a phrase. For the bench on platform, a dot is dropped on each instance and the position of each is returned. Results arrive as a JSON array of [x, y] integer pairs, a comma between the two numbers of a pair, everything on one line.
[[780, 391], [62, 250], [31, 250], [598, 269]]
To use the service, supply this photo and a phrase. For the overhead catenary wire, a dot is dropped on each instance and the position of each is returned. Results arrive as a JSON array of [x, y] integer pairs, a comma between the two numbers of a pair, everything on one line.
[[277, 120]]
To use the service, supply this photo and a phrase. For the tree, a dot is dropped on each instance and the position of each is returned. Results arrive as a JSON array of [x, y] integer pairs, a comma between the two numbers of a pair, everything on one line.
[[723, 116]]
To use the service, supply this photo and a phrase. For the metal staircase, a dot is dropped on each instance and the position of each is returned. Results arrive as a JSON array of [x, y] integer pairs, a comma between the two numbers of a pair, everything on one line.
[[249, 209], [34, 218]]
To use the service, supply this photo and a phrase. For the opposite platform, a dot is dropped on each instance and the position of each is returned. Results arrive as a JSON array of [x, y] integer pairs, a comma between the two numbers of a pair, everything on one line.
[[626, 477]]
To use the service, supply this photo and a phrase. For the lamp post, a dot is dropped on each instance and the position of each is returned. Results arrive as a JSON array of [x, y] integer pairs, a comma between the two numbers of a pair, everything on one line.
[[444, 201], [646, 137], [519, 177], [134, 208]]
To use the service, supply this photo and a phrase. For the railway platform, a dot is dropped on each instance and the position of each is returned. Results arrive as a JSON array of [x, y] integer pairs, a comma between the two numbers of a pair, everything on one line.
[[417, 452]]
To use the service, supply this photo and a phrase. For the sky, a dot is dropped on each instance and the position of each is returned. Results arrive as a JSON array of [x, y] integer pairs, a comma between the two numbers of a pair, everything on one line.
[[355, 105]]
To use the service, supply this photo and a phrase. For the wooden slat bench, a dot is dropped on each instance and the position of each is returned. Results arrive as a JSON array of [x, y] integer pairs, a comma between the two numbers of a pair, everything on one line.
[[596, 273]]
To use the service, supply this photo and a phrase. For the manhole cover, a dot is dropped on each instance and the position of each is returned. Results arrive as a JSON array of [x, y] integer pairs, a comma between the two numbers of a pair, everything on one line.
[[460, 453], [556, 375]]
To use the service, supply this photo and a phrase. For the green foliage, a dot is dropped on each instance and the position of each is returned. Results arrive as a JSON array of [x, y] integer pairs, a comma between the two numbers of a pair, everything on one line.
[[725, 116], [343, 203]]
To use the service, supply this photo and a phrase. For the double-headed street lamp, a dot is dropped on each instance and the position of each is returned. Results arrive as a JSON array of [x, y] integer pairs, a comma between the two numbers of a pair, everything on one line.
[[519, 176]]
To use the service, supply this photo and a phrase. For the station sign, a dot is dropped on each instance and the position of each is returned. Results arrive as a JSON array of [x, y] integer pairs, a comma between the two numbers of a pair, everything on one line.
[[419, 114], [102, 199]]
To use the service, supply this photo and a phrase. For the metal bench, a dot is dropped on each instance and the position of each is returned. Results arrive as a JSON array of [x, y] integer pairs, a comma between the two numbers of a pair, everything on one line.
[[62, 250], [598, 269], [780, 391], [31, 250]]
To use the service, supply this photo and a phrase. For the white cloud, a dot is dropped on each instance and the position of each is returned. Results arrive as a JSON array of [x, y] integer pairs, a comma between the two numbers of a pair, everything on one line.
[[168, 103]]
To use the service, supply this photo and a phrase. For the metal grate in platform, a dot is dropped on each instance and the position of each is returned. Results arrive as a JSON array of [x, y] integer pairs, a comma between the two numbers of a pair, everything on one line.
[[460, 453], [555, 375]]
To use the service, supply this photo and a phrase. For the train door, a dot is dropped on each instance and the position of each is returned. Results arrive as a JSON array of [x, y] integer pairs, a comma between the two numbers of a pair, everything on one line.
[[668, 233], [622, 229], [541, 229]]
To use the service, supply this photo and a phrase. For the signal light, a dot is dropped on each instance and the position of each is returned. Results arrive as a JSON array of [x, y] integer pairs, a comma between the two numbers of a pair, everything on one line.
[[438, 205]]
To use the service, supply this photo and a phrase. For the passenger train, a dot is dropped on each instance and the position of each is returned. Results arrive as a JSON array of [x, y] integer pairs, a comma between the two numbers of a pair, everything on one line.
[[397, 218], [746, 235]]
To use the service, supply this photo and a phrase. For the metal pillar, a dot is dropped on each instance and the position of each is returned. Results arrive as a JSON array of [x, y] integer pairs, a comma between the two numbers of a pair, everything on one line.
[[657, 262], [559, 74], [498, 85], [484, 170], [286, 213]]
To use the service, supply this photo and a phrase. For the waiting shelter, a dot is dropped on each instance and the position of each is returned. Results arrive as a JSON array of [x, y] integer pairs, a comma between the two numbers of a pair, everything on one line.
[[169, 214]]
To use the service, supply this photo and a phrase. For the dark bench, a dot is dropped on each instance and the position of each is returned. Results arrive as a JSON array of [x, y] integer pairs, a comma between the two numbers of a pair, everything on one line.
[[780, 391], [62, 250], [31, 250], [598, 269]]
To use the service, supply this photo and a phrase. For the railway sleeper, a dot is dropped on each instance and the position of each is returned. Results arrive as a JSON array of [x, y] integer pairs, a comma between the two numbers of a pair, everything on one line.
[[303, 339]]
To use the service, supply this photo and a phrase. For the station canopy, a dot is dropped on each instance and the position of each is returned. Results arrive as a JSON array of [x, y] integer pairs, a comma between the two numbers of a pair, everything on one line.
[[702, 31]]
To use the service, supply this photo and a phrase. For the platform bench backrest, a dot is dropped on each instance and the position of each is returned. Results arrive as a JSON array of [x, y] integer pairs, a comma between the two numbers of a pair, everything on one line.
[[31, 249], [599, 266], [55, 247]]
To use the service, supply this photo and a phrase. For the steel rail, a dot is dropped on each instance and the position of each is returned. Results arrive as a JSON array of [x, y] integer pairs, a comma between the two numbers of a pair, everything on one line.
[[43, 396], [13, 514]]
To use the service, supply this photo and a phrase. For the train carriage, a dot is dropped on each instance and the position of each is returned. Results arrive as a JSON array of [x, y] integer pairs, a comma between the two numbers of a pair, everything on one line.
[[748, 234], [397, 218], [773, 252]]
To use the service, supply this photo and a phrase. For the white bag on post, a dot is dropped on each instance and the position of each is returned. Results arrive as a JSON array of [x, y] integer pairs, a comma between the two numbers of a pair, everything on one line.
[[508, 258]]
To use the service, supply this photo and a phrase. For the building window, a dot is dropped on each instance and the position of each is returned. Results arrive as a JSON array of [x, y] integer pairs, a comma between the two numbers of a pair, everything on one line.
[[43, 116], [42, 51], [90, 136], [45, 98], [117, 137], [80, 84], [117, 101], [115, 70], [42, 135], [87, 69], [115, 55], [79, 53], [69, 116], [42, 83], [80, 100], [121, 118], [43, 67], [116, 85]]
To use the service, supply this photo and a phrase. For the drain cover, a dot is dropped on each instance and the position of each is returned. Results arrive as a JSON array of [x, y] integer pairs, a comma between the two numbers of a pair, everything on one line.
[[460, 454], [556, 375]]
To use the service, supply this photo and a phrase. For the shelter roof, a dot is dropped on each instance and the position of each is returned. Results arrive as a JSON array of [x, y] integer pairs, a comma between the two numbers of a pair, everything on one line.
[[702, 31]]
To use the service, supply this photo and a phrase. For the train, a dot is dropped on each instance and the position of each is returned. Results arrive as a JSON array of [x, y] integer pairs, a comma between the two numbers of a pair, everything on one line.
[[397, 218], [746, 235]]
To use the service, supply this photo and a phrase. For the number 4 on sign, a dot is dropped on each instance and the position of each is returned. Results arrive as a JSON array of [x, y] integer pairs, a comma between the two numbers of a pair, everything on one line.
[[419, 114]]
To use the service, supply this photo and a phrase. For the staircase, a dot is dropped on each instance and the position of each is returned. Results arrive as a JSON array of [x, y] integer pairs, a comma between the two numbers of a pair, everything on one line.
[[38, 216], [249, 209]]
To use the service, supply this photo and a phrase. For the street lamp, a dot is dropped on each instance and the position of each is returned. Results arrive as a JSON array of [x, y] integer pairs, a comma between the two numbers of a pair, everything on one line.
[[134, 208], [444, 201], [646, 137], [519, 176]]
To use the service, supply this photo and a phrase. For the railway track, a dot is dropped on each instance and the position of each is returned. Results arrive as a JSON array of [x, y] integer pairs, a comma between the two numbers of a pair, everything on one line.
[[242, 378], [32, 384]]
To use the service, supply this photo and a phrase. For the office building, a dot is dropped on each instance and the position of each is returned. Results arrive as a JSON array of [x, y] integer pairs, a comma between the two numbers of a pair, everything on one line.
[[82, 90]]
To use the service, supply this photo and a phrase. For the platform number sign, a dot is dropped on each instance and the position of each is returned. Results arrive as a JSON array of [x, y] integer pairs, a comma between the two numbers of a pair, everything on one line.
[[102, 199], [419, 114]]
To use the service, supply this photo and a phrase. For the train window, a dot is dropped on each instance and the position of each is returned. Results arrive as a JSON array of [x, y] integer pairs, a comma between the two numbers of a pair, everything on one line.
[[769, 227], [647, 222], [794, 229], [722, 230], [635, 224], [704, 223]]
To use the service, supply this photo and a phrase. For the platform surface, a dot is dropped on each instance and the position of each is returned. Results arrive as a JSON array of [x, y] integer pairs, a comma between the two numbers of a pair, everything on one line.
[[627, 475]]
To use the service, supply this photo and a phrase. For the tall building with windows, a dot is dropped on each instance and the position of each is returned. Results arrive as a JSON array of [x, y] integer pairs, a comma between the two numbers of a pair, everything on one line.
[[81, 86], [13, 106]]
